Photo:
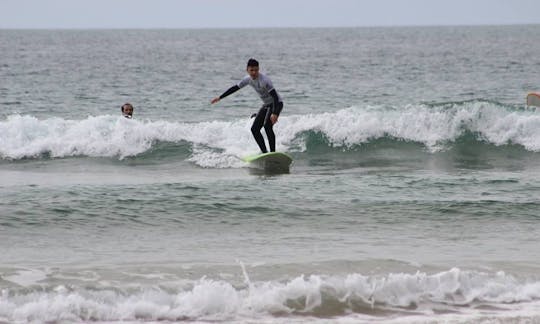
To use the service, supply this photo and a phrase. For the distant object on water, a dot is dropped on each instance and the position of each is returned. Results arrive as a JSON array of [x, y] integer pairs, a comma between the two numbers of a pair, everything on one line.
[[533, 99]]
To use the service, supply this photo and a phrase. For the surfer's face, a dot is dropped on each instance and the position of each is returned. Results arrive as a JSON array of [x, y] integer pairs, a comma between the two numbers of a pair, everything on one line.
[[253, 72]]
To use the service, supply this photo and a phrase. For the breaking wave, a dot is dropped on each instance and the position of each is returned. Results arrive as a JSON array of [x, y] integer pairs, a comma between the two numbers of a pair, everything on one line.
[[219, 143], [458, 292]]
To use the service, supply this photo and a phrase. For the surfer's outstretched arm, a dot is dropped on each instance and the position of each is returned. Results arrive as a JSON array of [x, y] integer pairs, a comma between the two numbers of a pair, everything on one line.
[[230, 91]]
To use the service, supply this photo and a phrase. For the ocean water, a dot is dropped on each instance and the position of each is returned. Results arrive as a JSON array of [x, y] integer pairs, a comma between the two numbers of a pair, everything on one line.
[[414, 196]]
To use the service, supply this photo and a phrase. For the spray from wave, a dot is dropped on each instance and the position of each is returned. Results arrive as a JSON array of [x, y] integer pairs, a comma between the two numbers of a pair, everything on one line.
[[219, 143], [318, 296]]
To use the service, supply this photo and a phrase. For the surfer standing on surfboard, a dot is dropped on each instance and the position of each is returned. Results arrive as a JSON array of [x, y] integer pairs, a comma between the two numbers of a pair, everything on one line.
[[269, 112]]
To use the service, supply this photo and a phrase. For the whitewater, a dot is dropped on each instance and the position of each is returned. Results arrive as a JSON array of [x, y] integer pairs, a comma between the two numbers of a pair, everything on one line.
[[111, 136], [304, 298]]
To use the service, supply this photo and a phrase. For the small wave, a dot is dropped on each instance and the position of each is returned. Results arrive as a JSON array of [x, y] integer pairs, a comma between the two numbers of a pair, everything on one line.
[[219, 143], [432, 126], [111, 136], [319, 296]]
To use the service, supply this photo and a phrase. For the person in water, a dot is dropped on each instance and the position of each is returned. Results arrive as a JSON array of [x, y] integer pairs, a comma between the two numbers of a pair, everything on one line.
[[127, 110], [272, 104]]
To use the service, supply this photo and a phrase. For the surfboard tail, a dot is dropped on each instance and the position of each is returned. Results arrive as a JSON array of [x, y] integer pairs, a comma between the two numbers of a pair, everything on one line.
[[272, 162]]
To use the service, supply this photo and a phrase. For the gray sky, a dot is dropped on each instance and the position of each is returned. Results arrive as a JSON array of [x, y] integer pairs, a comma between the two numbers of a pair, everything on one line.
[[257, 13]]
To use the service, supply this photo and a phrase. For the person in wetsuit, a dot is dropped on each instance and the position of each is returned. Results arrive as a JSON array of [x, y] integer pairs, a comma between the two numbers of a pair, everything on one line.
[[272, 104], [127, 110]]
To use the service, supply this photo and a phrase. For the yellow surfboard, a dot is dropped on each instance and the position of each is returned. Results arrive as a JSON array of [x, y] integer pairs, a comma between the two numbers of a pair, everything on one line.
[[275, 162]]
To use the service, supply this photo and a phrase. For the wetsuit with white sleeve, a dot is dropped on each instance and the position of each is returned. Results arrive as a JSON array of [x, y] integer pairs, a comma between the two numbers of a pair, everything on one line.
[[272, 104]]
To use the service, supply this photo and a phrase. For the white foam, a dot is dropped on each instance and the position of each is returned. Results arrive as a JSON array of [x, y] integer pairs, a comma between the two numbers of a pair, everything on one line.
[[459, 292], [431, 126], [220, 143]]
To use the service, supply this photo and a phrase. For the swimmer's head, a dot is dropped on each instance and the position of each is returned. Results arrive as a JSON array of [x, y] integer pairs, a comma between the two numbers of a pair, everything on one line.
[[127, 110]]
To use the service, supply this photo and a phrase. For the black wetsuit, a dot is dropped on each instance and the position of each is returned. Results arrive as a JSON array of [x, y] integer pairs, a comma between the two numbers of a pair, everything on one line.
[[272, 105]]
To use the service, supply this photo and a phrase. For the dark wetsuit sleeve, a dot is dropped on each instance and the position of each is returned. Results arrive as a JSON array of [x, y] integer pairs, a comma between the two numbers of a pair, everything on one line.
[[275, 106], [231, 90]]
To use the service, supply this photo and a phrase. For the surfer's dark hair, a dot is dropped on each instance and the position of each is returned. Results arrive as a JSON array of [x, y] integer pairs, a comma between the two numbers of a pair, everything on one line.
[[252, 62], [126, 104]]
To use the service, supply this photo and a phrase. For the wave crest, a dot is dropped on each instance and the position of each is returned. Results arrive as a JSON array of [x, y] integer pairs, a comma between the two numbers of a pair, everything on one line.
[[218, 143], [453, 291]]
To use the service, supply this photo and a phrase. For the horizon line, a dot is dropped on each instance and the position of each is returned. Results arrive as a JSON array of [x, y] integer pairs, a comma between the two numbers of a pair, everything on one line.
[[271, 27]]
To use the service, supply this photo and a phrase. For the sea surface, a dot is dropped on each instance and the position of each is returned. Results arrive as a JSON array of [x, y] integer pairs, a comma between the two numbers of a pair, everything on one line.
[[414, 196]]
